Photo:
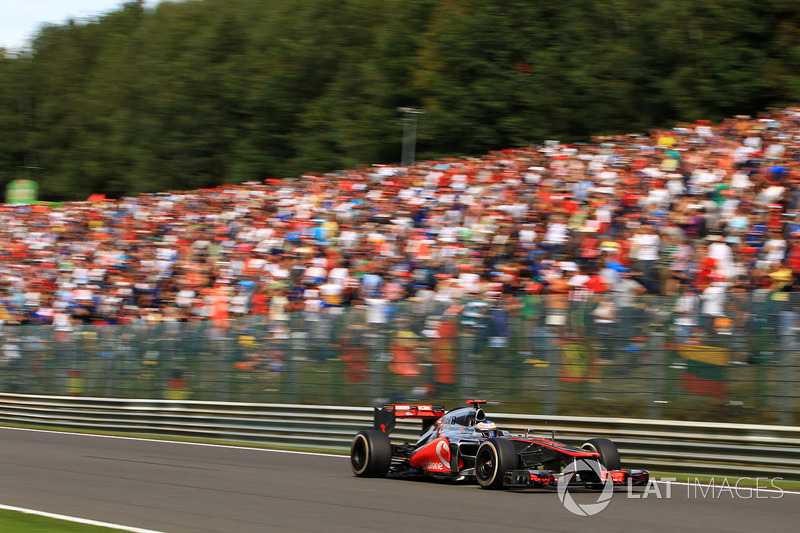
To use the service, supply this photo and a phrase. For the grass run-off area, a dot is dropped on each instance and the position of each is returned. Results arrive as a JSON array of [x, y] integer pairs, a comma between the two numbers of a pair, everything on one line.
[[19, 522]]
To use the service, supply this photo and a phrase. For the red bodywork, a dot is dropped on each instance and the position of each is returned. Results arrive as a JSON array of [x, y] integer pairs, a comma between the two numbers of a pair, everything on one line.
[[434, 457], [431, 412]]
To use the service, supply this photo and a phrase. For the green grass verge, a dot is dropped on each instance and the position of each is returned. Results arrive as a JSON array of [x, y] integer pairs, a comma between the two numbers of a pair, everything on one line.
[[19, 522]]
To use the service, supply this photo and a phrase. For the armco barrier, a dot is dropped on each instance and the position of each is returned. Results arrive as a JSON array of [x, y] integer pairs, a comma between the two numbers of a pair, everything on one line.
[[672, 446]]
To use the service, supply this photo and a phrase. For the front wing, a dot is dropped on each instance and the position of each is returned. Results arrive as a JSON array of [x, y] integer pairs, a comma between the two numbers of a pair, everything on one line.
[[549, 478]]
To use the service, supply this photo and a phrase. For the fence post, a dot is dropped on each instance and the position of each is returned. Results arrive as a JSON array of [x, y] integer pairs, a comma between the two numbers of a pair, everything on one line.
[[657, 362], [786, 366], [466, 371], [373, 356], [296, 341], [551, 355], [223, 385]]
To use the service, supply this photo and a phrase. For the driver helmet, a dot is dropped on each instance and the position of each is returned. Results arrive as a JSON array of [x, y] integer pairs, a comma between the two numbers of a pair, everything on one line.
[[486, 425]]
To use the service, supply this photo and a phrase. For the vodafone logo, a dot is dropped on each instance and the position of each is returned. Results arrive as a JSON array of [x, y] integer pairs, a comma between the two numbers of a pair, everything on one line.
[[441, 448], [586, 509]]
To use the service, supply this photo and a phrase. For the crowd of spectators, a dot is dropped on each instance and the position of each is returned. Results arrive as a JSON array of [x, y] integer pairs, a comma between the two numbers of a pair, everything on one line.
[[700, 209]]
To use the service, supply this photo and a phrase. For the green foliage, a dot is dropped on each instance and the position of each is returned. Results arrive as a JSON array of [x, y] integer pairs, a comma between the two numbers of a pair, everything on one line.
[[20, 522], [198, 93]]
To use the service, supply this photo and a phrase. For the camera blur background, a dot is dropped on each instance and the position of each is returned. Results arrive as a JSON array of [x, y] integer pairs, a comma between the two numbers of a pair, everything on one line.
[[647, 274], [182, 95]]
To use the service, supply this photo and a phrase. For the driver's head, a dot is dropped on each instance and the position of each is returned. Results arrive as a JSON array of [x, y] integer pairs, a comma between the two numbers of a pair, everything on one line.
[[485, 425]]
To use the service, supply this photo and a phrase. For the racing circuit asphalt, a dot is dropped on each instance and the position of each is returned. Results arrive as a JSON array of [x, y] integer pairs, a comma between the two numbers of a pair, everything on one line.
[[175, 487]]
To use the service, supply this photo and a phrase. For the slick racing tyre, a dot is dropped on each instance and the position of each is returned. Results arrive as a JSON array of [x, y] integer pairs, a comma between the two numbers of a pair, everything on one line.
[[609, 456], [495, 457], [371, 454]]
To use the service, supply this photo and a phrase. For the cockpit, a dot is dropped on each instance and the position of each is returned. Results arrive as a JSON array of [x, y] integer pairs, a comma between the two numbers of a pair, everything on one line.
[[457, 424]]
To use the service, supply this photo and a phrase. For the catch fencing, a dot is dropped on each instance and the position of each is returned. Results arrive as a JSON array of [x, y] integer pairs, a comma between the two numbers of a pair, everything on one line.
[[555, 359], [663, 446]]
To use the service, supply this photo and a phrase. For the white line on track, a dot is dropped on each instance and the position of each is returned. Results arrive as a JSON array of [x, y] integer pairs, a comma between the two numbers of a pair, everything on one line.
[[76, 519]]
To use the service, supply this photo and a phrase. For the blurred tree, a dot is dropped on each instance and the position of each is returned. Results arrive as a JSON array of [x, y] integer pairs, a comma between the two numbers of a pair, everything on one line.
[[13, 106], [194, 94]]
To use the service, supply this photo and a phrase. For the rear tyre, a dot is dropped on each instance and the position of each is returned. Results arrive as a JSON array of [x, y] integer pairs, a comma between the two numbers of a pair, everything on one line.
[[371, 454], [609, 456], [495, 457]]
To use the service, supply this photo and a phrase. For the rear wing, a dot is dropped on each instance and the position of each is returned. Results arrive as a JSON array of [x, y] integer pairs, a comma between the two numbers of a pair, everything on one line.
[[386, 416]]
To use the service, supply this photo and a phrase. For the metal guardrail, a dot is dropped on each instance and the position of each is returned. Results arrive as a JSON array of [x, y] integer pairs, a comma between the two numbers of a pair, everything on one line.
[[672, 446]]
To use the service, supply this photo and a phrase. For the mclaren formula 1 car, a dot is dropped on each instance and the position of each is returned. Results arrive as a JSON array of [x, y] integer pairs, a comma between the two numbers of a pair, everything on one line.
[[462, 445]]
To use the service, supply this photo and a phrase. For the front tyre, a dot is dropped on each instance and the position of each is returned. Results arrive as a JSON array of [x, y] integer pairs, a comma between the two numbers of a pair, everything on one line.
[[609, 456], [495, 457], [371, 454]]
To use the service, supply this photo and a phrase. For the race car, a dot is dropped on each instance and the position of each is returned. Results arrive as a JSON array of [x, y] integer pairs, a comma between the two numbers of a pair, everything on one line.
[[462, 445]]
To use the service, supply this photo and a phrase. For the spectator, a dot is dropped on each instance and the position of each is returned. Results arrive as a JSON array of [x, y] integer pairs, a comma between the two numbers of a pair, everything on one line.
[[713, 302], [645, 203]]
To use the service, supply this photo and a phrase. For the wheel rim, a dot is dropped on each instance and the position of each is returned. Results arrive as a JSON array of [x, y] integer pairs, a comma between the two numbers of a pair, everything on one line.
[[484, 464]]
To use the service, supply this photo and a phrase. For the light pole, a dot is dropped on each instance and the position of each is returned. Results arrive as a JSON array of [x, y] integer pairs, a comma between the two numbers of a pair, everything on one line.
[[409, 134]]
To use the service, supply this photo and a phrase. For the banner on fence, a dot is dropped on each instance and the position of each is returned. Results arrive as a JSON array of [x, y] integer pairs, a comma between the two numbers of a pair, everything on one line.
[[705, 369]]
